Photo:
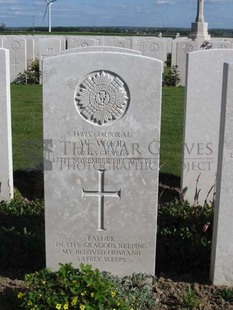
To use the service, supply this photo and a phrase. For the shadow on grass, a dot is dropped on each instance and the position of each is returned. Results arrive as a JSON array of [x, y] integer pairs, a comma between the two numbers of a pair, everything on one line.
[[22, 239], [169, 187], [30, 183], [183, 246], [9, 300]]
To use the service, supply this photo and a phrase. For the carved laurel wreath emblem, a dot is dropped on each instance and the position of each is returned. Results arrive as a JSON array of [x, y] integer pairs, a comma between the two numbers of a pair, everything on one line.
[[102, 98]]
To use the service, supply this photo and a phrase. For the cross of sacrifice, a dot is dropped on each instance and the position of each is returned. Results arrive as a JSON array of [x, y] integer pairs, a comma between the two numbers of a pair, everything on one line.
[[101, 194]]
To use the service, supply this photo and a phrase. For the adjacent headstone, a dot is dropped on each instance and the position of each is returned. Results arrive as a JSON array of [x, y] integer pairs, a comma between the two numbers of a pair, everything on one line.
[[30, 49], [183, 47], [100, 49], [76, 41], [222, 246], [137, 44], [152, 47], [1, 41], [168, 44], [102, 133], [50, 47], [18, 55], [124, 42], [6, 170], [201, 123], [221, 44], [174, 49]]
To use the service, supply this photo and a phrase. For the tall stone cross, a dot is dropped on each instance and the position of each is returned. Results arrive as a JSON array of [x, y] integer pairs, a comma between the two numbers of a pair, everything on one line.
[[199, 29], [101, 193], [200, 11]]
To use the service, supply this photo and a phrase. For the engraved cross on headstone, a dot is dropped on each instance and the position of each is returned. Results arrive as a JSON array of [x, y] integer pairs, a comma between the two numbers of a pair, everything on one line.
[[101, 193], [15, 64]]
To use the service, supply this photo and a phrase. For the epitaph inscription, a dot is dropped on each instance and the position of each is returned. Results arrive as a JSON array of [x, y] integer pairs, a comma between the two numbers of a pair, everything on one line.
[[102, 249]]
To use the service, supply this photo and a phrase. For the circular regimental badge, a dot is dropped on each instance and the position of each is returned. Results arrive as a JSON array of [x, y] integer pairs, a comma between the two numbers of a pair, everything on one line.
[[154, 48], [188, 48], [102, 98]]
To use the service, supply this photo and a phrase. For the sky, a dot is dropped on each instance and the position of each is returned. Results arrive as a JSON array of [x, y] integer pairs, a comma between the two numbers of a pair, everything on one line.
[[141, 13]]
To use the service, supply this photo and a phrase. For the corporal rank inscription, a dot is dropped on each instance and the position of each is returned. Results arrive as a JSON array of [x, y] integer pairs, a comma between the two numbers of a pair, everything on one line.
[[102, 98]]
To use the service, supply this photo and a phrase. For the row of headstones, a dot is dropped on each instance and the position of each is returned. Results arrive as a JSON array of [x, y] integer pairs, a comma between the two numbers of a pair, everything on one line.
[[101, 187], [106, 160], [182, 46], [24, 49]]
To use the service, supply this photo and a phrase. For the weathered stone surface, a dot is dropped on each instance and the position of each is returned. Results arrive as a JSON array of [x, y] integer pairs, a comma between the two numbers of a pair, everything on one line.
[[50, 47], [183, 47], [118, 41], [6, 170], [222, 246], [18, 55], [102, 133], [202, 123], [77, 41], [100, 49]]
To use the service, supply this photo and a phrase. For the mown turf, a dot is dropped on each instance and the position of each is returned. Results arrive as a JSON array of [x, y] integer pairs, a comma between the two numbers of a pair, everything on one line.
[[171, 130], [26, 126]]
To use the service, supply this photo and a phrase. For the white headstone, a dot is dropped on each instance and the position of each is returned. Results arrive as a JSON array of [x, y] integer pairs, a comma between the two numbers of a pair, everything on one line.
[[182, 49], [50, 47], [118, 41], [102, 133], [174, 48], [77, 41], [201, 123], [168, 44], [18, 55], [222, 246], [221, 44], [100, 49], [30, 49], [1, 41], [155, 48], [6, 170], [152, 47]]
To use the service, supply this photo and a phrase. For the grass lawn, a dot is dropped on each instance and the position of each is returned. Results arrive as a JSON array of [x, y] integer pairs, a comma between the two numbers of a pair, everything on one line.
[[27, 128], [171, 130]]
